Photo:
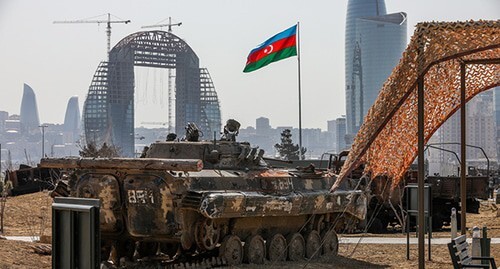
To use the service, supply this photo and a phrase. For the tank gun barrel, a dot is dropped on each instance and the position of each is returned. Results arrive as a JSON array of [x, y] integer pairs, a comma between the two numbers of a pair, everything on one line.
[[188, 165], [277, 160]]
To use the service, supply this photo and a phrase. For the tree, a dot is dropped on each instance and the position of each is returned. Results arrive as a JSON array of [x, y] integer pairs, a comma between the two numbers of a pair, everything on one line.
[[288, 150], [91, 150]]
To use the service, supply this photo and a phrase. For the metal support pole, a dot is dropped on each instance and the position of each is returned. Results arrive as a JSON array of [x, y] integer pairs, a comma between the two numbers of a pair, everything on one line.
[[407, 235], [43, 138], [421, 174], [463, 168], [300, 98]]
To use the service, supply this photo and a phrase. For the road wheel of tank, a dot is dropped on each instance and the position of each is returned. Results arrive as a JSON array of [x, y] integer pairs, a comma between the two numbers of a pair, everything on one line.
[[330, 242], [276, 248], [207, 234], [296, 247], [255, 250], [313, 245], [231, 250]]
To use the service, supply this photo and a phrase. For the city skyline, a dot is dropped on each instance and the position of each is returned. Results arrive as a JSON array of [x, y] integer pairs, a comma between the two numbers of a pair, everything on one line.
[[58, 61]]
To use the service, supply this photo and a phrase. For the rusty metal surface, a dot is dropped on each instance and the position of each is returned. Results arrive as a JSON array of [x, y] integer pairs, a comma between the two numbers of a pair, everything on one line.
[[107, 189], [123, 163], [387, 141], [29, 179], [150, 199]]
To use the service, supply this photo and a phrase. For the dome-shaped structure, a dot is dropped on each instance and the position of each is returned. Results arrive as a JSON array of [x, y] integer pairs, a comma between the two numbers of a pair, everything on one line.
[[109, 108]]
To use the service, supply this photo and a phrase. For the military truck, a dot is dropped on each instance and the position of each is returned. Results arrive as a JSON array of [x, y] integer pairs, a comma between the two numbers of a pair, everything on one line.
[[186, 198], [445, 190]]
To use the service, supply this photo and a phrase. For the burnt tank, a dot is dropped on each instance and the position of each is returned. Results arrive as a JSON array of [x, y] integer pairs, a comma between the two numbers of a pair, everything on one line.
[[186, 197]]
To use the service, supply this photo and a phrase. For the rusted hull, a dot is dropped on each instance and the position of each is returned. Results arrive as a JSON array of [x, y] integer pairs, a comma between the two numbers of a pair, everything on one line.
[[253, 204], [31, 179], [123, 163], [145, 203]]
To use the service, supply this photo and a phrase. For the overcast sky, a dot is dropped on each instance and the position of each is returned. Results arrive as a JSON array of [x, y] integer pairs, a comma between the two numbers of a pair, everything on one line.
[[59, 60]]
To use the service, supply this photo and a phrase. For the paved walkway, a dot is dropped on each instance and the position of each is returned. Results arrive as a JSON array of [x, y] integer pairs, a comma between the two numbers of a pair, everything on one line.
[[393, 240], [23, 238]]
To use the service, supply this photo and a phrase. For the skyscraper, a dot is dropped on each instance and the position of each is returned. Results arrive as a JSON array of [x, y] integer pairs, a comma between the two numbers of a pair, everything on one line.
[[340, 132], [496, 100], [481, 131], [72, 121], [29, 119], [374, 42]]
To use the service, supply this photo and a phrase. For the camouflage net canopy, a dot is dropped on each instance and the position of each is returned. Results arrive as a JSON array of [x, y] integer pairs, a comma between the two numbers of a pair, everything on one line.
[[387, 141]]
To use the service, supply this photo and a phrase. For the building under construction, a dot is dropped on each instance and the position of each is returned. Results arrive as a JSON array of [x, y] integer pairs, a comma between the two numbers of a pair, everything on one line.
[[108, 112]]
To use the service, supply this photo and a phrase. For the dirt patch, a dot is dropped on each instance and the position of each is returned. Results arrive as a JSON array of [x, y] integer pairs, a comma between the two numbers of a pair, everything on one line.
[[16, 254], [28, 215], [394, 256], [487, 217]]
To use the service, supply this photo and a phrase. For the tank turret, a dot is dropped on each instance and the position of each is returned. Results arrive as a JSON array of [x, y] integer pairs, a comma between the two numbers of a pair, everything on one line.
[[225, 153]]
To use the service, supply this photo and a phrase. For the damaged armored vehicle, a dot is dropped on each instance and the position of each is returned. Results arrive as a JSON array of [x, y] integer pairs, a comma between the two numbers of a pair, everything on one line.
[[215, 198]]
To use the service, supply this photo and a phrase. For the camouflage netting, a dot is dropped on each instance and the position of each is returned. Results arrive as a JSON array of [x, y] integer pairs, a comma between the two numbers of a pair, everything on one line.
[[387, 140]]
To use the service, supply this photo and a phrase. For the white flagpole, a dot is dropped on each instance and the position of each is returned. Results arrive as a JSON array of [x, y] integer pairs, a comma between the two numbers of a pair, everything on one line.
[[300, 101]]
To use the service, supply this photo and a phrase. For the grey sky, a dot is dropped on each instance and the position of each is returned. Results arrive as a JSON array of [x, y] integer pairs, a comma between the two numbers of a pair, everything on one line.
[[59, 60]]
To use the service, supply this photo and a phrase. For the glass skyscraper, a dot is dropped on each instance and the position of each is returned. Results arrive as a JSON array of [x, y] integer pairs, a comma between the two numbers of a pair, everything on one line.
[[374, 43], [29, 112], [72, 121]]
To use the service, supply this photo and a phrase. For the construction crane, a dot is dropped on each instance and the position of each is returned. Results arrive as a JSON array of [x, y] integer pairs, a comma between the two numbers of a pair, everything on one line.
[[108, 26], [169, 25]]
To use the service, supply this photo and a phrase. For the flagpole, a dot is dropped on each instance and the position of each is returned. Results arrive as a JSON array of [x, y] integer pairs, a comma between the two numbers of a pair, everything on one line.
[[300, 99]]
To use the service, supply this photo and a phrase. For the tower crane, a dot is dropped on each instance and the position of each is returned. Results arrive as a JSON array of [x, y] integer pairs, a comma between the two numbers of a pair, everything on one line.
[[108, 26], [169, 25]]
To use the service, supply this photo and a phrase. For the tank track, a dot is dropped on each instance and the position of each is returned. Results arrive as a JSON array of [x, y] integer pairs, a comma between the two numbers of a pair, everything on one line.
[[294, 247], [203, 263]]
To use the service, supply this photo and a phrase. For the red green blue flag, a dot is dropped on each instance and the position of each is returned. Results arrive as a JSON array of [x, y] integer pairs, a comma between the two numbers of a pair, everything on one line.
[[278, 47]]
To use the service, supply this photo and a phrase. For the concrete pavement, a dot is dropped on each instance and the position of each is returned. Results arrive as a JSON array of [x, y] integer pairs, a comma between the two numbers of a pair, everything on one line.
[[399, 240]]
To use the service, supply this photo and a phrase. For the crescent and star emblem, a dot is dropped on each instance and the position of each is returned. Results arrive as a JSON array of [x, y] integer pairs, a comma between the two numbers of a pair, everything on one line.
[[269, 49]]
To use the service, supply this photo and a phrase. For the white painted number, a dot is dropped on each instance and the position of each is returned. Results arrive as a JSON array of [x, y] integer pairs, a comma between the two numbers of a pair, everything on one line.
[[140, 197]]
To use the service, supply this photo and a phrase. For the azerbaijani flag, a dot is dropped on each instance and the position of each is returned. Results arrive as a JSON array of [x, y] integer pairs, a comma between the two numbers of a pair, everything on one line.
[[278, 47]]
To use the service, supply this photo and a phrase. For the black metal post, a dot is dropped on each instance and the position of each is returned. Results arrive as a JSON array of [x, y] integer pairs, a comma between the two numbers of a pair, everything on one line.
[[407, 194], [421, 174], [463, 167]]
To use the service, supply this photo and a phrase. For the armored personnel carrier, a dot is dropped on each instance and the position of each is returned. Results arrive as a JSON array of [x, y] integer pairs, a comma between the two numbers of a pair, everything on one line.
[[219, 198]]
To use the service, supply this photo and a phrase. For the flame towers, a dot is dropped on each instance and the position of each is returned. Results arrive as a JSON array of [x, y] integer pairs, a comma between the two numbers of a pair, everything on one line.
[[72, 120], [374, 42], [29, 119]]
